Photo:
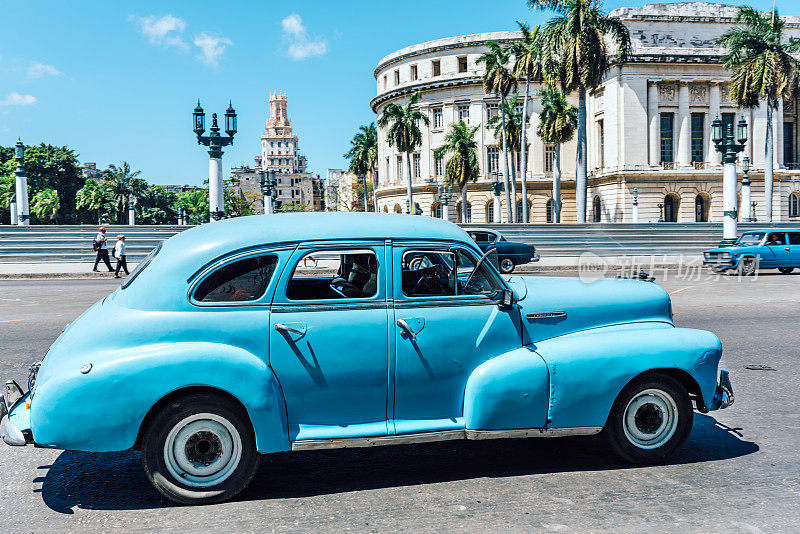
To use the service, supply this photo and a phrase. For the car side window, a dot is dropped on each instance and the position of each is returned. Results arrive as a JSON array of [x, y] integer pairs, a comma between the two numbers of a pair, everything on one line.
[[775, 239], [334, 274], [243, 280], [428, 273], [475, 279], [794, 238]]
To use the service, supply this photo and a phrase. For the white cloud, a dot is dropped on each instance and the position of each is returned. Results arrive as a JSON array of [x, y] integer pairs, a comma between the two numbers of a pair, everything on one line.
[[164, 30], [301, 45], [211, 48], [40, 70], [16, 99]]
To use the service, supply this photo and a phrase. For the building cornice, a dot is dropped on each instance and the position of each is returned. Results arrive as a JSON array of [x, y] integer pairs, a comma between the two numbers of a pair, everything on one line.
[[424, 86]]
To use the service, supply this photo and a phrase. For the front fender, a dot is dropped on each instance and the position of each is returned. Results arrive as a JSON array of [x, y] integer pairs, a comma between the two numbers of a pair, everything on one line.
[[103, 409], [588, 369]]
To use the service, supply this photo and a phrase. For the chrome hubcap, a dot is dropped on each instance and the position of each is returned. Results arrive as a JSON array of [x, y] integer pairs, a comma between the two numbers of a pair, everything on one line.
[[650, 419]]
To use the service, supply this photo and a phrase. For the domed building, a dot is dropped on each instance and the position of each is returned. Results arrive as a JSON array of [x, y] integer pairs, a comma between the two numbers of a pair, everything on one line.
[[649, 126]]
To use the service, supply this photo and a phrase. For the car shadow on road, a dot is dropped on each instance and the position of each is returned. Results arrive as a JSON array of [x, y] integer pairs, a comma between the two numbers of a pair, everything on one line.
[[115, 481]]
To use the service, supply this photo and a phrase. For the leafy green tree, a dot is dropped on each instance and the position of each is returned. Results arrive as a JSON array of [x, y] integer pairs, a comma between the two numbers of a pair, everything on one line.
[[514, 122], [404, 133], [763, 68], [363, 156], [7, 191], [45, 204], [462, 167], [156, 205], [94, 196], [123, 182], [557, 123], [528, 66], [195, 205], [49, 167], [577, 58], [499, 80], [291, 207]]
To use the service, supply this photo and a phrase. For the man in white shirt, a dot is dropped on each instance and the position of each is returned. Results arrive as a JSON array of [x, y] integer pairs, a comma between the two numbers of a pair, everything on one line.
[[101, 248], [119, 253]]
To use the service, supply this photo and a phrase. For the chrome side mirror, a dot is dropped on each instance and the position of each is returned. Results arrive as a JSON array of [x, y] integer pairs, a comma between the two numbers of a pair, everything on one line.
[[506, 299]]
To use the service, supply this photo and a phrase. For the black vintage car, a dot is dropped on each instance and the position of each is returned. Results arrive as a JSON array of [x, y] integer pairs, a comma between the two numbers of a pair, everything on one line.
[[509, 253]]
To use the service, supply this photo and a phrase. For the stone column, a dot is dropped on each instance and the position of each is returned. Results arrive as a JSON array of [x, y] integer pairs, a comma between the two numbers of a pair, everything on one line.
[[654, 130], [713, 157], [216, 200], [729, 203], [684, 158], [779, 160]]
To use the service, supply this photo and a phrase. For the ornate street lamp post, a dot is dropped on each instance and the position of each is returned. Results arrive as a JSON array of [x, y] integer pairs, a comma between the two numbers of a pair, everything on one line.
[[753, 212], [635, 204], [497, 189], [214, 141], [131, 214], [445, 194], [661, 213], [269, 188], [729, 148], [23, 213], [746, 205]]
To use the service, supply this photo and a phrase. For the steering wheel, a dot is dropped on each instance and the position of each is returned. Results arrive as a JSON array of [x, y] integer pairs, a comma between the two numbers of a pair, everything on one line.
[[340, 285], [428, 285]]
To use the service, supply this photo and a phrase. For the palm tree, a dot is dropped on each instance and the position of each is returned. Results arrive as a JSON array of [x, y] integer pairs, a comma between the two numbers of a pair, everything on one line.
[[763, 68], [123, 182], [498, 80], [45, 204], [462, 167], [577, 58], [94, 196], [363, 155], [557, 122], [514, 132], [404, 133], [527, 65]]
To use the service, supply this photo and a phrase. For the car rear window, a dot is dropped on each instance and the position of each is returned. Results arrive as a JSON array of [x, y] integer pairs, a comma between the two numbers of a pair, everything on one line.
[[239, 281]]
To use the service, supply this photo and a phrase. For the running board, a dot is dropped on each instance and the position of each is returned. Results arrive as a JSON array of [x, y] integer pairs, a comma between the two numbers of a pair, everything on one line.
[[447, 435]]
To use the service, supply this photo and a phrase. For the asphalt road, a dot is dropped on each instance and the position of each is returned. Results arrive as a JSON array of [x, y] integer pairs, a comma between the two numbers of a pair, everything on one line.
[[740, 470]]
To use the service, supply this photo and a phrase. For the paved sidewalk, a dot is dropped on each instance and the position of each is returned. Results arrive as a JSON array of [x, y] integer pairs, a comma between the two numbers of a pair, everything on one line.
[[555, 263]]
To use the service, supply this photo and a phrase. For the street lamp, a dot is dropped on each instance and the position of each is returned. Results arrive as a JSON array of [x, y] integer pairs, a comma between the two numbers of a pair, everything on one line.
[[131, 214], [748, 214], [753, 211], [635, 204], [445, 194], [497, 189], [661, 213], [23, 213], [269, 189], [214, 141], [729, 148]]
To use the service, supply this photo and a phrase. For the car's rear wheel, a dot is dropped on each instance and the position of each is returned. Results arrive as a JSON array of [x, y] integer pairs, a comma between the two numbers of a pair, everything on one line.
[[507, 265], [200, 449], [786, 270], [650, 420], [748, 266]]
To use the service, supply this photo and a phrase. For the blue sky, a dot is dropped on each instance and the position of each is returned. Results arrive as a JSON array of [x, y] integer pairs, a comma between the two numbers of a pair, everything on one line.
[[118, 80]]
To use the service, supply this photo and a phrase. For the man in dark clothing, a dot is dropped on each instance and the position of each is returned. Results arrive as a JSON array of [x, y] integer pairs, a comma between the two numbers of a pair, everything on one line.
[[102, 250]]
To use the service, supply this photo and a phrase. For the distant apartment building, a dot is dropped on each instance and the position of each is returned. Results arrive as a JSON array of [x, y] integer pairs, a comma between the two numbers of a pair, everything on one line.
[[89, 170]]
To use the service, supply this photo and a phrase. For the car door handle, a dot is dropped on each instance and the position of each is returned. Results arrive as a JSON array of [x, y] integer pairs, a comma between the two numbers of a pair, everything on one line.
[[408, 330], [294, 329], [785, 248]]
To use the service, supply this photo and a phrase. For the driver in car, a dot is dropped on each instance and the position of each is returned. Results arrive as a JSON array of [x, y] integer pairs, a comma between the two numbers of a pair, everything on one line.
[[774, 239]]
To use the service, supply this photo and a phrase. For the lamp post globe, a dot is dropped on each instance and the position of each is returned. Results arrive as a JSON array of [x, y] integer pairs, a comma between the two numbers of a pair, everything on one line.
[[23, 210], [729, 147], [215, 142]]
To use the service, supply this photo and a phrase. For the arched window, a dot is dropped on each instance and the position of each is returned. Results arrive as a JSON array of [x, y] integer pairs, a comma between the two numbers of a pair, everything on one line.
[[398, 209], [794, 205], [670, 208], [469, 212], [519, 210], [490, 212], [596, 213], [549, 210], [436, 211], [700, 209]]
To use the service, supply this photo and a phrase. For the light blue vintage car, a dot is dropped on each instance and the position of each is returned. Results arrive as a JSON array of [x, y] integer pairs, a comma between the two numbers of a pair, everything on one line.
[[765, 249], [306, 331]]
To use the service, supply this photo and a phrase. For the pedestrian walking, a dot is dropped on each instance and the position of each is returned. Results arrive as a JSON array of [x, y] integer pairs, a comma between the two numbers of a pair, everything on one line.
[[119, 253], [101, 247]]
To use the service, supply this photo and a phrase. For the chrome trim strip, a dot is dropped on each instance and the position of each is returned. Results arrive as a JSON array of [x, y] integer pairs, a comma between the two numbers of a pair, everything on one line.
[[446, 435], [438, 303], [545, 315], [281, 307]]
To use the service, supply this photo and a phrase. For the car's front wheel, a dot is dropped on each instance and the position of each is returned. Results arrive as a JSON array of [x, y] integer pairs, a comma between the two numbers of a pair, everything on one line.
[[507, 265], [650, 420], [200, 449], [748, 266], [785, 270]]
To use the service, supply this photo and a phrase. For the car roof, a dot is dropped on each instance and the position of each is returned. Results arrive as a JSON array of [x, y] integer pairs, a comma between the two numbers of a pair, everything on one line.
[[488, 230], [773, 230]]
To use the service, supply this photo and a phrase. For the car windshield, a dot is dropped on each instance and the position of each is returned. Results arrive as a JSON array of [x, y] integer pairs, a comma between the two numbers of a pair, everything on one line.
[[753, 238]]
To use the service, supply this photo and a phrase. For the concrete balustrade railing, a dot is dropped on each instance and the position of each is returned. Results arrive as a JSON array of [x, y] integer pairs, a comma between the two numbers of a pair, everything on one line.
[[50, 243]]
